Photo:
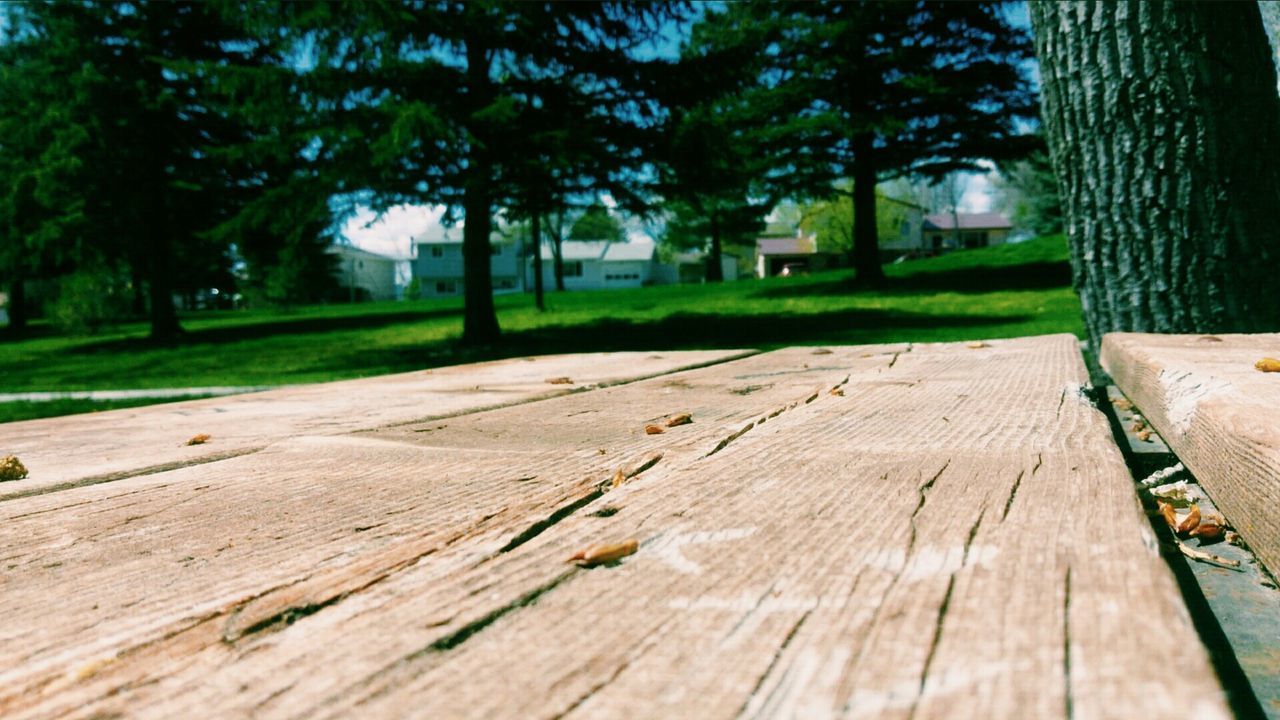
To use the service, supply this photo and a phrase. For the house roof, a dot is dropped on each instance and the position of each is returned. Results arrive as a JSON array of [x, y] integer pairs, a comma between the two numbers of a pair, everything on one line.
[[353, 251], [968, 221], [603, 250], [787, 246]]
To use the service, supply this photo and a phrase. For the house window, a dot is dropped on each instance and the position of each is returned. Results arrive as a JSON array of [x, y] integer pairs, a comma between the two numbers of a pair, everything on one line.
[[446, 287], [573, 269], [937, 242], [437, 252], [360, 264], [906, 229], [623, 276], [975, 240]]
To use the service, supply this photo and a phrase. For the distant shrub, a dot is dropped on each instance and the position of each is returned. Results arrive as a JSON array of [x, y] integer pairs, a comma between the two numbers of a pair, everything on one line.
[[88, 301]]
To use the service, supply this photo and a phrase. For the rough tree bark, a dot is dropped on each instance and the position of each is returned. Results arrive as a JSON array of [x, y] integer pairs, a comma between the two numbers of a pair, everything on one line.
[[866, 243], [1164, 126], [479, 321]]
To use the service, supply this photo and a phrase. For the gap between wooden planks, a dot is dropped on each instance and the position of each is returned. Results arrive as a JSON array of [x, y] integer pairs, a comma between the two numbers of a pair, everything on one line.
[[954, 536], [90, 448], [1218, 413]]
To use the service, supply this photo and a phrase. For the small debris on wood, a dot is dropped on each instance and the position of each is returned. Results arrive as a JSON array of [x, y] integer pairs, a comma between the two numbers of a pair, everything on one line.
[[1208, 532], [1210, 558], [1234, 538], [1168, 513], [1160, 476], [200, 439], [602, 451], [1138, 426], [1188, 522], [653, 430], [11, 468], [559, 381], [822, 351], [619, 477], [1179, 492], [1267, 364], [1209, 338], [1144, 435], [430, 429], [838, 392], [680, 419], [976, 344], [607, 511], [601, 554], [1121, 404]]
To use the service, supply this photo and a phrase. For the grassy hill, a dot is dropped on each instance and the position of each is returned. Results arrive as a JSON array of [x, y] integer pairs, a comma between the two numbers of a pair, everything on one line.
[[1005, 291]]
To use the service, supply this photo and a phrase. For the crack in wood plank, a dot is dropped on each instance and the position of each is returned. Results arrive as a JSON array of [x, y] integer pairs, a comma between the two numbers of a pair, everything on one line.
[[773, 663]]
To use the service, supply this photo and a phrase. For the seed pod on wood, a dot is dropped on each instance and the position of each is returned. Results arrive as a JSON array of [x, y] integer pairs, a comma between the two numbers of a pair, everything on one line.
[[1190, 521], [200, 439], [976, 344], [1207, 531], [1168, 513], [600, 554], [1267, 364], [680, 419], [653, 430]]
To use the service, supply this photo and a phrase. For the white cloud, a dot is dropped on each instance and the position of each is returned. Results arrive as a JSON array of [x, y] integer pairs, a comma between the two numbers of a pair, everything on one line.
[[392, 234]]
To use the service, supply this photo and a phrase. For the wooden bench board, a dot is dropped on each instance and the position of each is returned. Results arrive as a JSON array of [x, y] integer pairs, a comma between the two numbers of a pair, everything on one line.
[[1218, 413], [89, 448], [954, 535]]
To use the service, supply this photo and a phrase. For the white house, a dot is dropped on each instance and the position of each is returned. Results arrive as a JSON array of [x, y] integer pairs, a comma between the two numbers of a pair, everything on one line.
[[691, 267], [975, 230], [365, 271], [598, 264], [437, 266]]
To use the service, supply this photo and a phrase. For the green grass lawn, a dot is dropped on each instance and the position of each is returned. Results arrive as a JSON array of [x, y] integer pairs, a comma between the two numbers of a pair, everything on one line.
[[1004, 291]]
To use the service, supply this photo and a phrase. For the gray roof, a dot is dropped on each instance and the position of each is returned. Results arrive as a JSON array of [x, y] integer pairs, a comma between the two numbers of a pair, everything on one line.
[[968, 221], [604, 250], [353, 251]]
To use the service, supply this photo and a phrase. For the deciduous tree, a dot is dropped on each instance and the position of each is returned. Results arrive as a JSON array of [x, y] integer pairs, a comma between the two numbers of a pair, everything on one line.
[[1164, 126]]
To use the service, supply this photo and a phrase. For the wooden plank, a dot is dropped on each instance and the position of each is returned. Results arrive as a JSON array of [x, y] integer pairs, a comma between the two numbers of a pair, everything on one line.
[[85, 449], [217, 550], [1219, 414], [954, 535]]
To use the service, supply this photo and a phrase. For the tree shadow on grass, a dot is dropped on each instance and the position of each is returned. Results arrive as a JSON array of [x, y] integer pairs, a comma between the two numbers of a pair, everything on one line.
[[257, 331], [1027, 276], [686, 331]]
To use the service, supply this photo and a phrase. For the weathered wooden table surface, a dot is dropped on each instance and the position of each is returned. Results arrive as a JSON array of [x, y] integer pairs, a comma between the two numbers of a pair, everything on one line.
[[1218, 413], [878, 531]]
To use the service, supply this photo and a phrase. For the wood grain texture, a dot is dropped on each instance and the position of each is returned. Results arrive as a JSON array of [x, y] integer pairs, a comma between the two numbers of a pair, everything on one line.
[[228, 548], [83, 449], [1219, 414], [953, 536]]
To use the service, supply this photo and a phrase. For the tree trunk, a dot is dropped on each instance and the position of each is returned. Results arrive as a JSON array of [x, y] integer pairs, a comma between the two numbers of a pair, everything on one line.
[[164, 319], [479, 320], [138, 306], [557, 254], [866, 242], [535, 232], [17, 306], [715, 271], [1164, 125]]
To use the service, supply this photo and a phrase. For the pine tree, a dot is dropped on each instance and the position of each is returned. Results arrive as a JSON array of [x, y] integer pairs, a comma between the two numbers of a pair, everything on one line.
[[871, 91]]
